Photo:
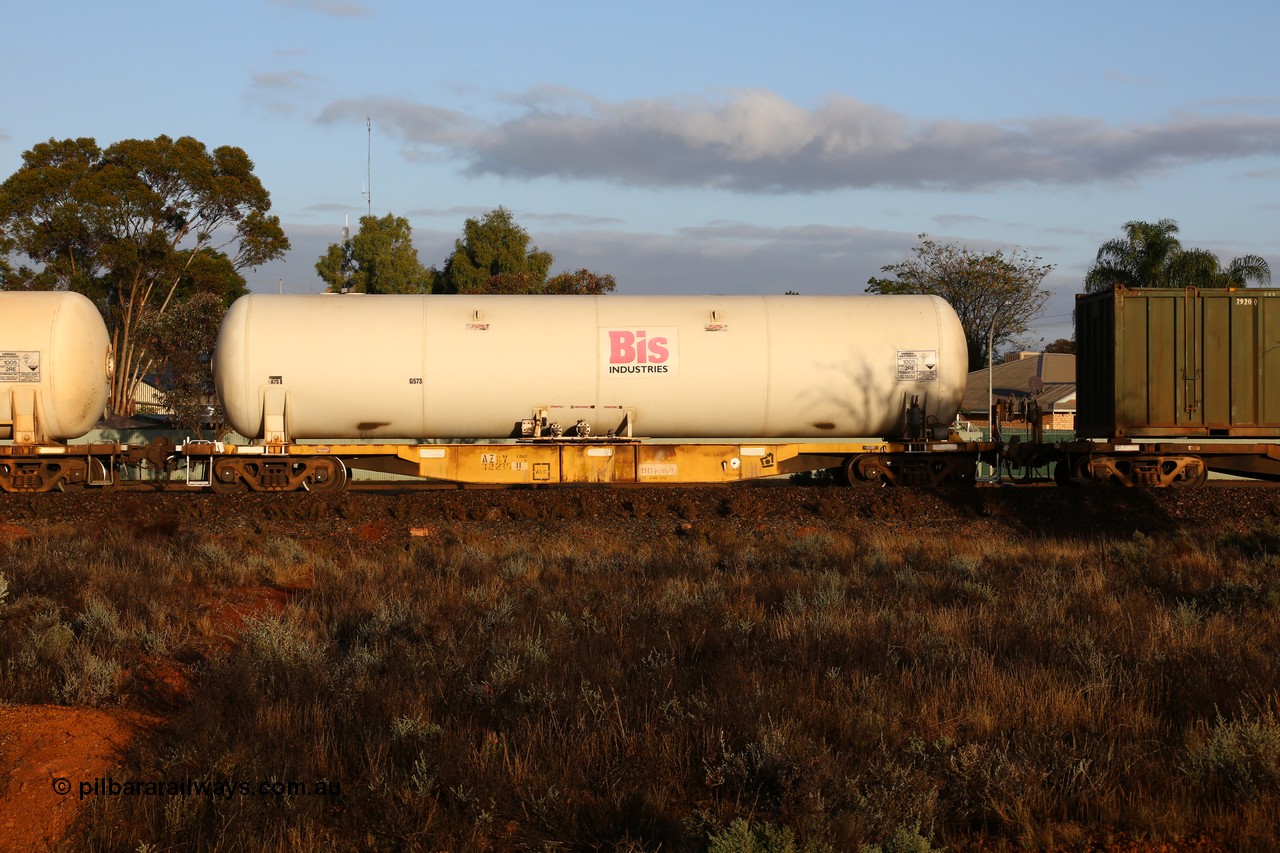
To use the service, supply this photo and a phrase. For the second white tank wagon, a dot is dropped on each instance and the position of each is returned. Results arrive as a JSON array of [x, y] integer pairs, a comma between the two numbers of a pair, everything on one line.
[[490, 367]]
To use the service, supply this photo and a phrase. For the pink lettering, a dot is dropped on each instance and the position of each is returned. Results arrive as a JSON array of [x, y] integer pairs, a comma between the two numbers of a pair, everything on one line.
[[658, 350], [622, 348], [636, 347]]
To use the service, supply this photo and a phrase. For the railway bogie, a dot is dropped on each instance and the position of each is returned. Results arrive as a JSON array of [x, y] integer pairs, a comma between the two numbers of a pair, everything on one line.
[[921, 467], [49, 468], [1155, 470], [228, 475]]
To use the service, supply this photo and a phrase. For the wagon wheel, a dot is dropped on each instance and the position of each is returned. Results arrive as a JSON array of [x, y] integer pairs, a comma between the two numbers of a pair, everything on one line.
[[226, 479], [867, 470], [1072, 471], [70, 483], [327, 476], [855, 472], [1194, 481]]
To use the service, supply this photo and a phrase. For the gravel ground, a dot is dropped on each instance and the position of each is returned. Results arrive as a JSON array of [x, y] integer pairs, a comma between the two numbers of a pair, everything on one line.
[[642, 511]]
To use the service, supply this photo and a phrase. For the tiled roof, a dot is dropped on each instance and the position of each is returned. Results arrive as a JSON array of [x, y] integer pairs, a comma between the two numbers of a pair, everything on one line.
[[1049, 378]]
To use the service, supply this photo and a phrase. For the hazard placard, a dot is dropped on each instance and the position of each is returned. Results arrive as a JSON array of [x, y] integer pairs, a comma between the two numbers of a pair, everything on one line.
[[917, 365], [19, 366]]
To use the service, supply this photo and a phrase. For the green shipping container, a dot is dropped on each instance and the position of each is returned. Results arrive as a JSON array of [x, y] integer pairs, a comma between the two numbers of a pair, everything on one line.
[[1172, 363]]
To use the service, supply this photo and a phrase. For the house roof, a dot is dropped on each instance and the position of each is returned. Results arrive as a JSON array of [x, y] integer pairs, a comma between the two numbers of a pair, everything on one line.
[[1048, 377]]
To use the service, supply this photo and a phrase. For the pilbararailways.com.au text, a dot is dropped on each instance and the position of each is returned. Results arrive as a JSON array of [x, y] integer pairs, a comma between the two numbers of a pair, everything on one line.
[[224, 789]]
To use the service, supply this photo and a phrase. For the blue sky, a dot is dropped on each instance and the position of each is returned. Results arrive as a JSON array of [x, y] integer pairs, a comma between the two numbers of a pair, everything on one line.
[[694, 147]]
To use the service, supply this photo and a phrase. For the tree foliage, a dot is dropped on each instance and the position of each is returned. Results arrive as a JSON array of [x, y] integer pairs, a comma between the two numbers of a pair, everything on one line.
[[582, 281], [1150, 255], [380, 258], [996, 290], [1201, 268], [181, 340], [137, 227], [493, 256]]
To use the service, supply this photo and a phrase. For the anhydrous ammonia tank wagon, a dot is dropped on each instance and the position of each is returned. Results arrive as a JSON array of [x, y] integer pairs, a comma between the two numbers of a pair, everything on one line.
[[484, 367], [54, 366]]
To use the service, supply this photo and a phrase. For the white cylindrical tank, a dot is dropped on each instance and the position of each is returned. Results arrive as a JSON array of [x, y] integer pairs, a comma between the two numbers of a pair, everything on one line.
[[459, 366], [54, 366]]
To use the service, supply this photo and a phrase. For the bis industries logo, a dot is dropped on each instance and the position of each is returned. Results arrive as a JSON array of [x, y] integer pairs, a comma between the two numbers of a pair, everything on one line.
[[653, 350]]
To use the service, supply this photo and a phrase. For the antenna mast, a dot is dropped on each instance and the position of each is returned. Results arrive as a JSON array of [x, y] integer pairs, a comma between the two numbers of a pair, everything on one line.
[[368, 166]]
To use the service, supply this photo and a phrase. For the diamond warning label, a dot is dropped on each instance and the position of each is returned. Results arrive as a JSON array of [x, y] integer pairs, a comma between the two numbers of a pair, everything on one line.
[[19, 366], [917, 365]]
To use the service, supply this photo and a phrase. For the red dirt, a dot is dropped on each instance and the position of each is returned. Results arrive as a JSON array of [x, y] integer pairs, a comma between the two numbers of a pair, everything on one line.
[[43, 749], [229, 615], [47, 752]]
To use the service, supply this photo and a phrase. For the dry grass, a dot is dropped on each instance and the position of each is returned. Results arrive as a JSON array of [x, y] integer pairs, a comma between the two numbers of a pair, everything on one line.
[[694, 690]]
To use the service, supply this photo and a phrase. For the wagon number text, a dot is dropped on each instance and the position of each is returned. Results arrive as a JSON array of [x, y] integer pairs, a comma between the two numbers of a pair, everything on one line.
[[496, 462]]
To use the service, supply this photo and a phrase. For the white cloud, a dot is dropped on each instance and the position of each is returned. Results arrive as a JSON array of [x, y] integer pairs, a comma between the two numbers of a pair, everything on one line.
[[756, 141], [423, 127]]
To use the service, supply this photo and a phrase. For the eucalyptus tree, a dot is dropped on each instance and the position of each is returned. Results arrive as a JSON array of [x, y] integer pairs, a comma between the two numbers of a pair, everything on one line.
[[494, 256], [380, 258], [581, 281], [995, 294], [182, 340], [136, 227]]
